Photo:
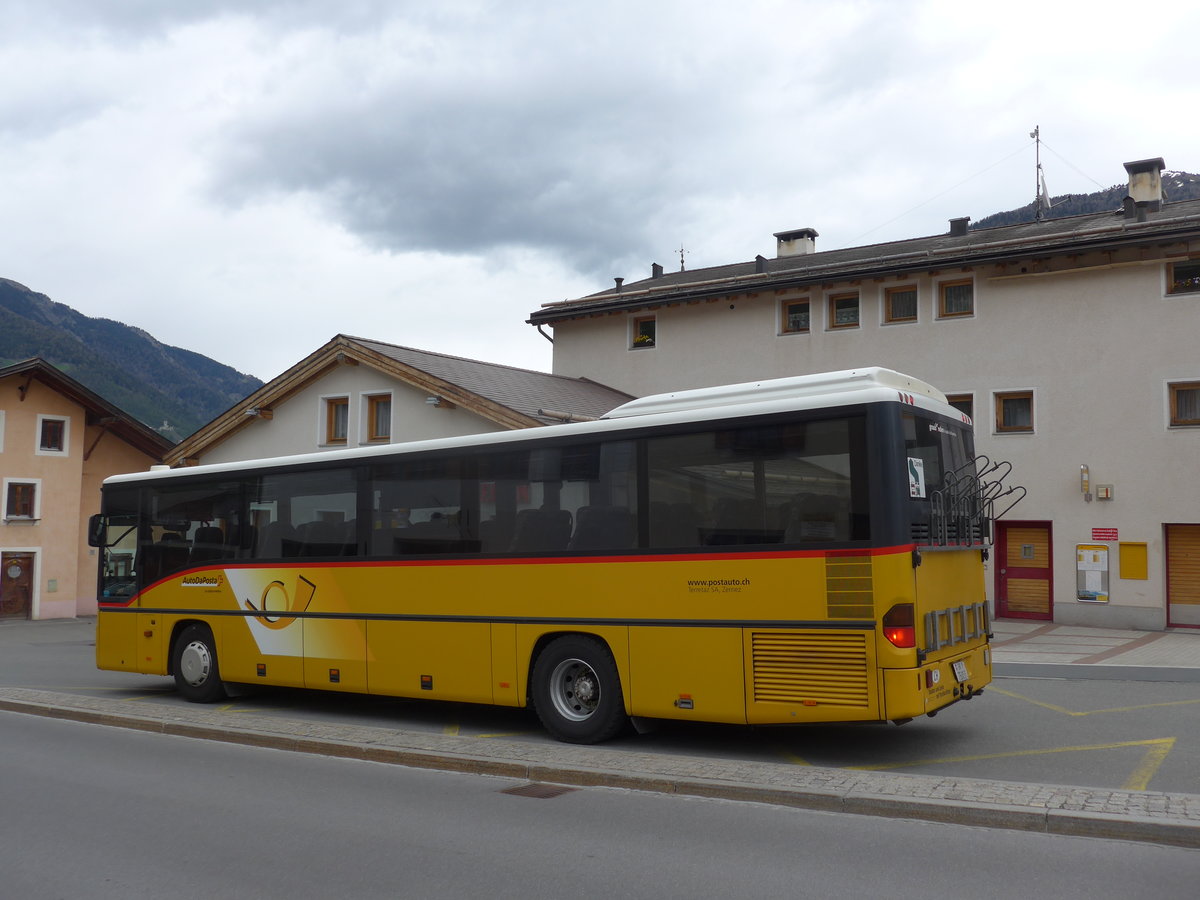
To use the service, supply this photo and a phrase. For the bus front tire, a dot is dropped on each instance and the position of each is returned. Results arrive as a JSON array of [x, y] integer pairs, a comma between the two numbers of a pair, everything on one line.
[[577, 691], [194, 664]]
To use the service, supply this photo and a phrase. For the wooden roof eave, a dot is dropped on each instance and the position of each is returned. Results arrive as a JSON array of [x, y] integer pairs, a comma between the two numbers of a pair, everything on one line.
[[317, 365]]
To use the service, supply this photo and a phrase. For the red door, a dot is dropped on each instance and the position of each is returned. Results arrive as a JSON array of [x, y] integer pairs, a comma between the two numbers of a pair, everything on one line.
[[16, 585], [1024, 571]]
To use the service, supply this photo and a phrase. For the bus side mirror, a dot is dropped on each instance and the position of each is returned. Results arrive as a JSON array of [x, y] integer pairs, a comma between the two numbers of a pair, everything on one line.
[[97, 530]]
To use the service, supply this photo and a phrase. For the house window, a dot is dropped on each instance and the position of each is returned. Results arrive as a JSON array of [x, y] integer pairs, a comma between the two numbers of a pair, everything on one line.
[[957, 298], [843, 310], [1185, 403], [1184, 278], [20, 500], [53, 435], [1014, 412], [900, 304], [379, 417], [964, 403], [337, 419], [643, 332], [795, 317]]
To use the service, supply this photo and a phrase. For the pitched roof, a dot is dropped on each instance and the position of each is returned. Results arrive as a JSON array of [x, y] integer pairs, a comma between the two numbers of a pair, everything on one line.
[[509, 397], [1073, 234], [525, 391], [99, 411]]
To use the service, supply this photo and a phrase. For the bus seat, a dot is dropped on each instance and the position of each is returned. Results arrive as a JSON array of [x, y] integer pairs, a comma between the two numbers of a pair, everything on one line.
[[541, 529], [166, 555], [208, 543], [271, 540], [673, 525], [604, 528]]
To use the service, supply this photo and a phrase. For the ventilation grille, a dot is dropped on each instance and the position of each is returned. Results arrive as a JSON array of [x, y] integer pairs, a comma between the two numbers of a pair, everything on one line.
[[849, 587], [822, 669]]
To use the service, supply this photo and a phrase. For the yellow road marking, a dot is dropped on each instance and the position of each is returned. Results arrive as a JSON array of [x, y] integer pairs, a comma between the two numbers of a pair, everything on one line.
[[1156, 752], [1150, 762], [1091, 712], [794, 759], [450, 729]]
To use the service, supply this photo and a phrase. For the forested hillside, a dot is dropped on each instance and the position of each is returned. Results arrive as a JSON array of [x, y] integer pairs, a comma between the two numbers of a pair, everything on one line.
[[170, 389], [1176, 186]]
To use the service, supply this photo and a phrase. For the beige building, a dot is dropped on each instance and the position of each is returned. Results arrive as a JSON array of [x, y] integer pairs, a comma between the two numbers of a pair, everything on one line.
[[58, 442], [1071, 342], [355, 392]]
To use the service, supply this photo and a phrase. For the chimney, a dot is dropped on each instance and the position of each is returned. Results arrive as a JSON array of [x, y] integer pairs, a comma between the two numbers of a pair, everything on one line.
[[760, 264], [1145, 183], [619, 281], [958, 227], [656, 270], [797, 242]]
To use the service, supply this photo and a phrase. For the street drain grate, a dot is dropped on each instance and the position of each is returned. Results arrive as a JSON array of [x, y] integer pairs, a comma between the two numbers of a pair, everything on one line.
[[539, 791]]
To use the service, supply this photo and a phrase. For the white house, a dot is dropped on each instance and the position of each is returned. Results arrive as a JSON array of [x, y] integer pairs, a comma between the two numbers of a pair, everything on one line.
[[355, 392], [1073, 343]]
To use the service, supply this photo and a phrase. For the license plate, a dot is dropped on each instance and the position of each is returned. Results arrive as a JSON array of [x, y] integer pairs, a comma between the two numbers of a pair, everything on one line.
[[960, 670]]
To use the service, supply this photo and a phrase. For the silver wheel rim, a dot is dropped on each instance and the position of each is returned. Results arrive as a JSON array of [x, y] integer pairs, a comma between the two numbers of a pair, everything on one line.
[[195, 663], [574, 690]]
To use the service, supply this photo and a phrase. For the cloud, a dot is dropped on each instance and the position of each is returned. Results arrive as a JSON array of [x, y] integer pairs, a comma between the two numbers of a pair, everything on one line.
[[248, 179], [437, 135]]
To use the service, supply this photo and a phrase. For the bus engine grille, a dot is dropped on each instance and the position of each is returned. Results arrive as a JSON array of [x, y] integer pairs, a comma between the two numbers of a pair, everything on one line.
[[820, 669]]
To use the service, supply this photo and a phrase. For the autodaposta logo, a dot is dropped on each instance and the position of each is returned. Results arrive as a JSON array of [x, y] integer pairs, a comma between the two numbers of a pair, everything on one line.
[[208, 579]]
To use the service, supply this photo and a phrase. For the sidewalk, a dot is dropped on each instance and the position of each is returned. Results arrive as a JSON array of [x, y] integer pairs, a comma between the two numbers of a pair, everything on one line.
[[1025, 647]]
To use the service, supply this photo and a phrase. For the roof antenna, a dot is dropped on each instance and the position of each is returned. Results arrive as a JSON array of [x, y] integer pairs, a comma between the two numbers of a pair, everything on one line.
[[1041, 197]]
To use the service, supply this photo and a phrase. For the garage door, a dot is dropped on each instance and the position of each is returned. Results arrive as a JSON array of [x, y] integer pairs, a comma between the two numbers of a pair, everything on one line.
[[1183, 575]]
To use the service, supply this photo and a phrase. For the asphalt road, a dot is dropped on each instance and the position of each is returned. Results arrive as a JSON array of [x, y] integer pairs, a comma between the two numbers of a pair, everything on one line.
[[1104, 734], [113, 813]]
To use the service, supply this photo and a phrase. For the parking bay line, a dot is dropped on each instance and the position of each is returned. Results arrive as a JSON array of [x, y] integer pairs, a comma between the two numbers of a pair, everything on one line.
[[1156, 753]]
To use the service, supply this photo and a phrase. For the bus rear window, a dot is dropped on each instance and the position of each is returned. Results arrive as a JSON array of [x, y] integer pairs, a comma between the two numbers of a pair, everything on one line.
[[934, 447]]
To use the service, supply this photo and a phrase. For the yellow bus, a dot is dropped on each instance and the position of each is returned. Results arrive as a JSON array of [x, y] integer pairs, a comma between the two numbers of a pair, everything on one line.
[[800, 550]]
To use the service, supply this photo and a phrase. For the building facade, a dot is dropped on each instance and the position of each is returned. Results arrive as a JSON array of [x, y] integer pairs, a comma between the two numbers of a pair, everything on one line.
[[1071, 343], [356, 392], [58, 442]]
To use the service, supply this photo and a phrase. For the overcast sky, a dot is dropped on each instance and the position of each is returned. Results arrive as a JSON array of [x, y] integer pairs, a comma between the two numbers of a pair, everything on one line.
[[248, 179]]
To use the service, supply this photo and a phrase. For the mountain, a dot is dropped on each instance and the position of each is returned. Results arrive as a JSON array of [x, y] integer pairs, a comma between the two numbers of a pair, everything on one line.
[[172, 390], [1176, 186]]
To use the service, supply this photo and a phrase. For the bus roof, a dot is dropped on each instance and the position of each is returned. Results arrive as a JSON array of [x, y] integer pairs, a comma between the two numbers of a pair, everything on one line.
[[831, 387], [847, 387]]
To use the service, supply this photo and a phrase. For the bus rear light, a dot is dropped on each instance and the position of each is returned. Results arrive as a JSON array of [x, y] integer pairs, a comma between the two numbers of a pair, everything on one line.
[[932, 677], [898, 626]]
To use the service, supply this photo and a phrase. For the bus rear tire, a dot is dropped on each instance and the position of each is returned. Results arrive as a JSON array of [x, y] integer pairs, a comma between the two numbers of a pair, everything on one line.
[[194, 664], [577, 691]]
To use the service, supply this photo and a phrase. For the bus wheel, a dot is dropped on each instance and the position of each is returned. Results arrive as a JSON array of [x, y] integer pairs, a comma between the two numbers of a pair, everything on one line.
[[194, 662], [577, 691]]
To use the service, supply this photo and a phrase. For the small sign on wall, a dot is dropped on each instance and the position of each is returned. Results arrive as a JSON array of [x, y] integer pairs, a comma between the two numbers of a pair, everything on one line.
[[1104, 534], [1091, 579]]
